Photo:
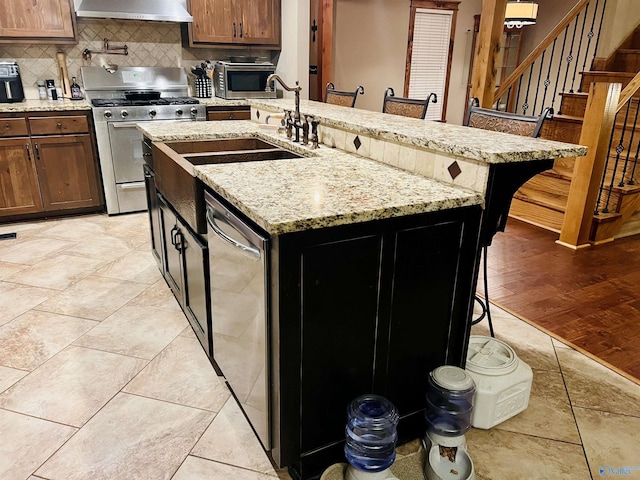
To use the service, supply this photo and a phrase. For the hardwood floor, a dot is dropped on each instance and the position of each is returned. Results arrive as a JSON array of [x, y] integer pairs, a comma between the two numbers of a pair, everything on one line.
[[589, 298]]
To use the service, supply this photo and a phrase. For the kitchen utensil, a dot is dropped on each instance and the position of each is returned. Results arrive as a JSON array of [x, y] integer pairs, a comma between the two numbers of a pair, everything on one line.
[[64, 74]]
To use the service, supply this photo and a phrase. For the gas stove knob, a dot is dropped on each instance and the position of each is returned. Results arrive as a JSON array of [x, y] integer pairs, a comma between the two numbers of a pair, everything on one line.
[[179, 112], [194, 111], [108, 114], [124, 114], [152, 113]]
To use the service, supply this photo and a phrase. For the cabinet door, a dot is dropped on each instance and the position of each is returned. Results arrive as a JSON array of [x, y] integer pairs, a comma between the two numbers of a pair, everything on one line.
[[41, 20], [67, 172], [214, 21], [259, 21], [340, 289], [19, 190], [154, 215], [171, 248], [196, 284], [425, 284]]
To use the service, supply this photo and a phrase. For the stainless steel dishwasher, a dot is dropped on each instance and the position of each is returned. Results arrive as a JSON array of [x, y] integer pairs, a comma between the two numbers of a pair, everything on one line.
[[238, 265]]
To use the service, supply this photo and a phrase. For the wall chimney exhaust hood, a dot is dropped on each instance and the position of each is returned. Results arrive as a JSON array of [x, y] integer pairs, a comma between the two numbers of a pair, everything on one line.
[[156, 10]]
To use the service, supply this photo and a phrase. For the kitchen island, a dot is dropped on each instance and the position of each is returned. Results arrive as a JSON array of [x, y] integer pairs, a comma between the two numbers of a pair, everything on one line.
[[371, 273]]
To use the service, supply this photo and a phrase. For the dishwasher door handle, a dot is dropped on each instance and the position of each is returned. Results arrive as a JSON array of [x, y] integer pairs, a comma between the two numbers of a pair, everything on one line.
[[211, 220]]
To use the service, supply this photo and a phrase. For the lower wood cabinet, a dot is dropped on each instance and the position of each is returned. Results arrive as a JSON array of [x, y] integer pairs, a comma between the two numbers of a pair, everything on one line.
[[54, 170], [239, 112]]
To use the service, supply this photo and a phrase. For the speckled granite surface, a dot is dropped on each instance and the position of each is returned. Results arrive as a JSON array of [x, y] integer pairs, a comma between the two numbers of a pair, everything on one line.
[[473, 143], [221, 102], [328, 187], [44, 106]]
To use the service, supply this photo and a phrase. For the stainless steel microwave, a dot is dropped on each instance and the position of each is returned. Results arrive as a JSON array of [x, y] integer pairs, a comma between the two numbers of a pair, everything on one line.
[[243, 80]]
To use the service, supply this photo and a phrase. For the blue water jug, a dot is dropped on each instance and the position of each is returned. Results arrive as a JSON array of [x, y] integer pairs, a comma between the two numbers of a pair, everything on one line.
[[450, 393], [371, 433]]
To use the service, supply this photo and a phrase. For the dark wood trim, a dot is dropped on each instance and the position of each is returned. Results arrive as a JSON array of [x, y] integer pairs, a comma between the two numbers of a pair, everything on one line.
[[434, 5], [326, 14]]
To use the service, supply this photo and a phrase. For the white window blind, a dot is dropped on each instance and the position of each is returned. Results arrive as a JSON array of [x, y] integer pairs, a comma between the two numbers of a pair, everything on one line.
[[430, 56]]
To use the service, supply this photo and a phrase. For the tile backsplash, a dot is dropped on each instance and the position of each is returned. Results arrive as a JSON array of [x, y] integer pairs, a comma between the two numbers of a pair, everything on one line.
[[150, 44]]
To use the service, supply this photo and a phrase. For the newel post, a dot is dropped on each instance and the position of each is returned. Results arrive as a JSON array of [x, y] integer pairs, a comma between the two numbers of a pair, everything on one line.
[[483, 83], [588, 170]]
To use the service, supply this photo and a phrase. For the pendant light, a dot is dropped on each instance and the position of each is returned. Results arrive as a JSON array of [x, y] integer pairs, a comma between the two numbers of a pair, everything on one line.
[[520, 13]]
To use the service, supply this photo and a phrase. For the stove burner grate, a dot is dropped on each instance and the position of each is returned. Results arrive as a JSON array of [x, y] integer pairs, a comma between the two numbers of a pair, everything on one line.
[[123, 102]]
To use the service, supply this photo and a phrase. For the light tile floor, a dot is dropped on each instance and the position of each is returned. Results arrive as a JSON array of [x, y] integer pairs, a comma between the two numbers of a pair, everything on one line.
[[102, 378]]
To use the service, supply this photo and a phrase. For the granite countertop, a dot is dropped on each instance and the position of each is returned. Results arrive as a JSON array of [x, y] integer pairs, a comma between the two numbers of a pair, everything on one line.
[[221, 102], [45, 106], [327, 187], [472, 143]]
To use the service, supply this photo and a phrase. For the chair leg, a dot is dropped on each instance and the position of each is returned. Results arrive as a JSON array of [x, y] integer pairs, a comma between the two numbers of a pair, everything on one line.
[[485, 305]]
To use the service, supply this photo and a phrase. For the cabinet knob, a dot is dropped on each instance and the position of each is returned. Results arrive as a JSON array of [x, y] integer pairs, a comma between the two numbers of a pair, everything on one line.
[[231, 116], [59, 125], [7, 126]]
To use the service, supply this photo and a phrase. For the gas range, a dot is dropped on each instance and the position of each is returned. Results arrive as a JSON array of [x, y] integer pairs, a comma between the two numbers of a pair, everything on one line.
[[167, 108], [121, 97]]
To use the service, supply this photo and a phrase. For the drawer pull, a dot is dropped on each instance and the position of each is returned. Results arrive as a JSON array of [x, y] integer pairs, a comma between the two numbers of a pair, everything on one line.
[[59, 125], [7, 126], [26, 145], [37, 152]]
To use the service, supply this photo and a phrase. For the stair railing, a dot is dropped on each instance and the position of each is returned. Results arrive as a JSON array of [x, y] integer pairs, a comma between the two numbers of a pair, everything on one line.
[[547, 70], [623, 148]]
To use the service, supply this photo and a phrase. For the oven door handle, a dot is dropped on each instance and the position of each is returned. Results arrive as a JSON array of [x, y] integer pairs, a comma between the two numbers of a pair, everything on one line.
[[123, 124], [211, 220]]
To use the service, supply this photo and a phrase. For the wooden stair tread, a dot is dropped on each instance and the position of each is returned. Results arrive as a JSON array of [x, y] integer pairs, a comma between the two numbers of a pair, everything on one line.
[[606, 217], [567, 118], [628, 50], [540, 198], [556, 172], [574, 94], [601, 73]]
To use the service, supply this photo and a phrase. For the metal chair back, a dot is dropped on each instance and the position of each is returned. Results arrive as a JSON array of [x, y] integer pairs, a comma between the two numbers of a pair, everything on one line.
[[342, 98], [407, 107], [498, 121]]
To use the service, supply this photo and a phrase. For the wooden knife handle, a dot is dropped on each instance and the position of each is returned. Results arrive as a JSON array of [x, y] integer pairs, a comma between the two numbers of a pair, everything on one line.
[[64, 74]]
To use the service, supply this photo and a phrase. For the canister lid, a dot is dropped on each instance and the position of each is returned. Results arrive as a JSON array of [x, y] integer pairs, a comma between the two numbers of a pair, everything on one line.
[[490, 356], [452, 378]]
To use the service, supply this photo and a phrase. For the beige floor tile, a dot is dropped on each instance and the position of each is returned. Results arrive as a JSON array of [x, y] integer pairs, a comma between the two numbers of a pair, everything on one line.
[[32, 250], [16, 299], [136, 331], [549, 412], [532, 346], [27, 442], [34, 337], [500, 455], [26, 229], [136, 266], [8, 269], [559, 344], [610, 442], [157, 295], [182, 374], [9, 376], [105, 247], [134, 227], [58, 272], [195, 468], [93, 297], [231, 440], [77, 229], [73, 386], [130, 438], [594, 386]]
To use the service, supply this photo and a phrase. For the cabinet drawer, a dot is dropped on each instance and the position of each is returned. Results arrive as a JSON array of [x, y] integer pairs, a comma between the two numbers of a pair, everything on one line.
[[58, 125], [11, 127], [229, 115]]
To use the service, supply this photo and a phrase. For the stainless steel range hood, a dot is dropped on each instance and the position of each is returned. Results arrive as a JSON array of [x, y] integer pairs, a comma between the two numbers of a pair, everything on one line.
[[157, 10]]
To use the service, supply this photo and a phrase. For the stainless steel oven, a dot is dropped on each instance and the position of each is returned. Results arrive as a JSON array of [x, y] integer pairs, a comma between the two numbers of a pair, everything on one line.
[[121, 98], [239, 320]]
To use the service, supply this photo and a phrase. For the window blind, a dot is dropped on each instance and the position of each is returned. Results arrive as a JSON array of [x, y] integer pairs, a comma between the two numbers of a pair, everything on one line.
[[430, 57]]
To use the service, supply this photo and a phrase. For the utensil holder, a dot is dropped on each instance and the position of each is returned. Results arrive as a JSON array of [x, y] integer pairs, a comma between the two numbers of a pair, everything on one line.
[[203, 88]]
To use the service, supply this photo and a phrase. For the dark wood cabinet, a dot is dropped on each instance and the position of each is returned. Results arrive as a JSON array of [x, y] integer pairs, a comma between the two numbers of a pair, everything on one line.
[[235, 23], [368, 308], [154, 215], [20, 192], [51, 166], [186, 269], [42, 21]]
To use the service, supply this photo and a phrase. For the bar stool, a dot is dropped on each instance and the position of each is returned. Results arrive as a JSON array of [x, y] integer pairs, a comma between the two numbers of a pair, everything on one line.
[[498, 121], [342, 98], [407, 107]]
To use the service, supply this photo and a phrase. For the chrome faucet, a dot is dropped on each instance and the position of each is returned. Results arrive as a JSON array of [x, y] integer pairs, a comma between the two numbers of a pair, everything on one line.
[[295, 122]]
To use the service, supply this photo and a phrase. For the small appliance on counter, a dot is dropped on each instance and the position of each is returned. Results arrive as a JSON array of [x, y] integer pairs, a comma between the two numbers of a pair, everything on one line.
[[11, 84], [243, 80]]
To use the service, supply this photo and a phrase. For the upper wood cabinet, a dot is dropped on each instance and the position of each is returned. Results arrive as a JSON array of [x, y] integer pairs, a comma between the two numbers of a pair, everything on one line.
[[37, 21], [233, 23]]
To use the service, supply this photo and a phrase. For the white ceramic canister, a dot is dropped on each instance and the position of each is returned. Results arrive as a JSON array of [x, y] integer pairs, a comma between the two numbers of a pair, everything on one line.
[[503, 381]]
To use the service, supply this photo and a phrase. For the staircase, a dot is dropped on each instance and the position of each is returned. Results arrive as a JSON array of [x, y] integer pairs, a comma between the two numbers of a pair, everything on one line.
[[543, 199]]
